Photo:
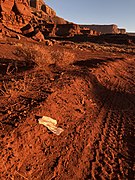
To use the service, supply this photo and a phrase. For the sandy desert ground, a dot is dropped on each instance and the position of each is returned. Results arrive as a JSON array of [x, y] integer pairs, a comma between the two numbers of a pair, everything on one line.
[[88, 88]]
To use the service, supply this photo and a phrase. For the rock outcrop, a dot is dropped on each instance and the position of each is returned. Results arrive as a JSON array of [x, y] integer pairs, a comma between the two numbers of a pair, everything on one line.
[[122, 31], [26, 16], [59, 20], [1, 33], [14, 14], [88, 31], [28, 29], [38, 36], [22, 7], [6, 6], [67, 30], [39, 5], [104, 29]]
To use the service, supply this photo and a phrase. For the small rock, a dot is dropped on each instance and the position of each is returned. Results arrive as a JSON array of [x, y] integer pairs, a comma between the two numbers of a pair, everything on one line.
[[9, 112], [18, 37], [38, 36], [49, 43]]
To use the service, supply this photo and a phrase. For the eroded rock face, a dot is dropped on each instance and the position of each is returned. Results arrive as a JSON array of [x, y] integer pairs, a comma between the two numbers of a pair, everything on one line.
[[28, 29], [67, 29], [15, 14], [104, 29], [7, 5], [1, 34], [59, 20], [38, 36], [19, 7], [23, 7], [25, 16], [40, 5], [48, 10]]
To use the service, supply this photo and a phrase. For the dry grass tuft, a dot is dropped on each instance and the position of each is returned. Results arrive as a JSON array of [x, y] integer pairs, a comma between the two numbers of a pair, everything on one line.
[[31, 61], [63, 58], [44, 57]]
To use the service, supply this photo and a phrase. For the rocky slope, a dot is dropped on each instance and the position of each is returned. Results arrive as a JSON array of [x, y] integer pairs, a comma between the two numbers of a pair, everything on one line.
[[30, 17], [15, 14]]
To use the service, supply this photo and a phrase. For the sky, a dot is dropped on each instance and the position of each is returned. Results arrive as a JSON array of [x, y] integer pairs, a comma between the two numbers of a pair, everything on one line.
[[120, 12]]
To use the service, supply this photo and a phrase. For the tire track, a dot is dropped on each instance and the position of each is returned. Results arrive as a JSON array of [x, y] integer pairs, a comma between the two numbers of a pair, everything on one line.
[[103, 152], [107, 162], [96, 134]]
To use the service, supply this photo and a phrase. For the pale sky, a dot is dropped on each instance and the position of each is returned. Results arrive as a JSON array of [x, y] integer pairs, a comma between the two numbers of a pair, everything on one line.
[[120, 12]]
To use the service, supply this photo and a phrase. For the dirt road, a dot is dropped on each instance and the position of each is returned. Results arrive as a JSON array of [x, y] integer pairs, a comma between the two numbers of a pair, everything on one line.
[[93, 100]]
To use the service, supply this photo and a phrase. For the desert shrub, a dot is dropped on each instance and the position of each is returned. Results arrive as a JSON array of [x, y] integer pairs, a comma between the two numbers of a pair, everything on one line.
[[46, 57], [63, 58], [43, 57], [27, 54]]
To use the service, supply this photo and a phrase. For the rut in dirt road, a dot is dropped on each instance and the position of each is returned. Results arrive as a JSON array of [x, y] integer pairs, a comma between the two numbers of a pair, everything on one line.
[[95, 105], [114, 146], [104, 149]]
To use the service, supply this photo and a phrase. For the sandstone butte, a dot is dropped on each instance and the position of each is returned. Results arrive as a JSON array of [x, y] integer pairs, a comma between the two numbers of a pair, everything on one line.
[[33, 18], [29, 17]]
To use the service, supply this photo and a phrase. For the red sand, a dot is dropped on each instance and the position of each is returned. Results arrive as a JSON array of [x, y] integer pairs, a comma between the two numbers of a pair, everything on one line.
[[90, 92]]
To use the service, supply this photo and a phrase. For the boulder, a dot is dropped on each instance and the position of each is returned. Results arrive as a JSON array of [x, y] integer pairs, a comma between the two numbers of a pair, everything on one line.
[[1, 35], [6, 5], [28, 29], [23, 7], [48, 43], [48, 29], [16, 36], [2, 32], [17, 6], [38, 36], [7, 34]]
